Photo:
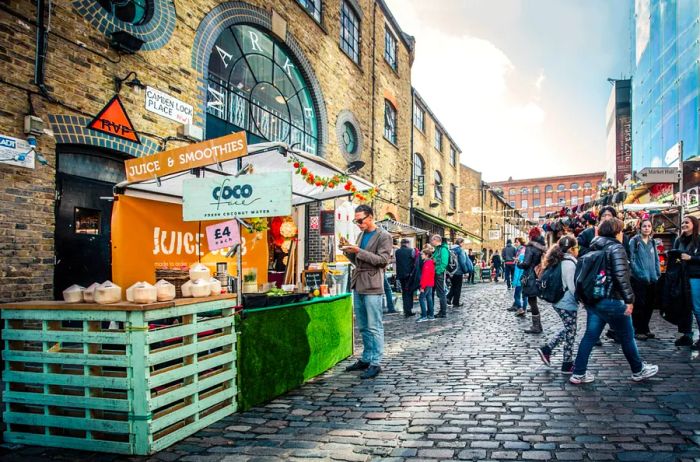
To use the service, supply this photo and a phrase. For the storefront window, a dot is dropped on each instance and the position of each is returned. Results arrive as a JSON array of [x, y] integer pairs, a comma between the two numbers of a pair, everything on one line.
[[255, 85], [438, 185], [130, 11], [389, 121], [390, 49], [313, 7], [350, 32]]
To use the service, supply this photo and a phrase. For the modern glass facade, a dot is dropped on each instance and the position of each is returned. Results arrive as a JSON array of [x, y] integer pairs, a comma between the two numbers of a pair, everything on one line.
[[665, 82]]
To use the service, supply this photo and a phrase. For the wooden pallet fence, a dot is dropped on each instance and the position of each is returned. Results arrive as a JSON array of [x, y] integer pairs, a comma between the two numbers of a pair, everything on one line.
[[128, 382]]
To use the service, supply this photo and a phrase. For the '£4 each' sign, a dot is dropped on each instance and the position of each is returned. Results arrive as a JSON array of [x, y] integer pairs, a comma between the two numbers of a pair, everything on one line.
[[224, 234]]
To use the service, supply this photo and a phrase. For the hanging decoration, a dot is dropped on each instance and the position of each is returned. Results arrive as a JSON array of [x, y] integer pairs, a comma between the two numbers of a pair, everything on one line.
[[333, 182]]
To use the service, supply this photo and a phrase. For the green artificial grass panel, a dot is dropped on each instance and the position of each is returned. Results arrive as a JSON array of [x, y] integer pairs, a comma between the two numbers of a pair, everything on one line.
[[281, 349]]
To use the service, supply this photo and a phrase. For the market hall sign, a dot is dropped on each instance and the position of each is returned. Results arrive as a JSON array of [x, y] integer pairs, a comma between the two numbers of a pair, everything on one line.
[[258, 195], [113, 120], [187, 157]]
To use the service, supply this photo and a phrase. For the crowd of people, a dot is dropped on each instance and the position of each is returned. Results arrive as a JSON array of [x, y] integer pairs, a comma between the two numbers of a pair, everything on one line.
[[614, 276]]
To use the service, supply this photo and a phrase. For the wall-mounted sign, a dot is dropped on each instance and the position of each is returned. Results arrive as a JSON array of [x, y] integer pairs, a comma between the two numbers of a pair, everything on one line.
[[258, 195], [14, 151], [192, 156], [421, 185], [114, 121], [314, 222], [222, 235], [168, 106], [494, 234], [660, 175], [673, 154], [327, 224]]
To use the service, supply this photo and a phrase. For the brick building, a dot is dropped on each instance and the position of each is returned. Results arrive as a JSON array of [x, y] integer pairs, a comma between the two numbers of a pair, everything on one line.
[[333, 77], [535, 197]]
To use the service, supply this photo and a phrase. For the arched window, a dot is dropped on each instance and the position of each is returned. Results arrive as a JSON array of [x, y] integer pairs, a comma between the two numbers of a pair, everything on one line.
[[587, 185], [389, 121], [438, 185], [548, 188], [256, 85], [536, 190], [511, 192], [561, 187], [574, 186], [524, 191], [130, 11]]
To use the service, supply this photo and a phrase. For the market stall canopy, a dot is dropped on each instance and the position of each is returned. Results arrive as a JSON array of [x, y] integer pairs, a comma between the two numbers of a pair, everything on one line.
[[401, 229], [262, 158], [446, 224], [649, 207]]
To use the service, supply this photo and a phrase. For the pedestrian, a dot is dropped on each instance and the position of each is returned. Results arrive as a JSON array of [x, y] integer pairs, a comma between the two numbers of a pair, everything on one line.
[[615, 309], [508, 256], [405, 267], [688, 243], [563, 253], [370, 256], [454, 295], [472, 258], [441, 257], [646, 271], [389, 296], [427, 282], [519, 302], [496, 263], [534, 250]]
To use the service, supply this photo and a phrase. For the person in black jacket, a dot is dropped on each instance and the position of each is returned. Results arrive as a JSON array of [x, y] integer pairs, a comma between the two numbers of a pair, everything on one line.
[[405, 267], [688, 244], [615, 309], [534, 250]]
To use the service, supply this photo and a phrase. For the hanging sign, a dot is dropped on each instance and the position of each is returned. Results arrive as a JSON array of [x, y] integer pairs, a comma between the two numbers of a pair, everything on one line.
[[168, 106], [113, 120], [222, 235], [259, 195], [187, 157]]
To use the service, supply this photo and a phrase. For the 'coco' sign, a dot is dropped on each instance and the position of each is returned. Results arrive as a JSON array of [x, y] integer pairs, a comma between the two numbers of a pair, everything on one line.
[[258, 195]]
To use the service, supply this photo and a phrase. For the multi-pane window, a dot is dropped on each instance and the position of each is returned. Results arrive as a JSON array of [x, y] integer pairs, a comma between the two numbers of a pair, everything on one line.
[[438, 139], [453, 196], [548, 188], [453, 156], [587, 185], [419, 173], [418, 117], [511, 192], [390, 47], [523, 204], [438, 185], [524, 191], [561, 187], [535, 202], [313, 7], [574, 186], [350, 32], [548, 201], [389, 121], [536, 190]]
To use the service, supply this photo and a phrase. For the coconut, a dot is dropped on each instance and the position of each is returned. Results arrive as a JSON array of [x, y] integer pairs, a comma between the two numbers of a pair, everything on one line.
[[186, 289], [165, 291], [108, 292], [215, 286], [73, 294], [89, 293], [199, 271], [144, 293], [201, 288], [130, 292]]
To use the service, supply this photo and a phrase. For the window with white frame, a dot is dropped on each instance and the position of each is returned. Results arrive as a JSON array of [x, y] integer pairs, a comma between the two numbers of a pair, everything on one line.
[[418, 117], [438, 139]]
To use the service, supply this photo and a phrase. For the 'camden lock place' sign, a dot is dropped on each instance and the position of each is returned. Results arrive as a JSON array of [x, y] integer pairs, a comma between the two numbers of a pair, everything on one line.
[[248, 196], [192, 156]]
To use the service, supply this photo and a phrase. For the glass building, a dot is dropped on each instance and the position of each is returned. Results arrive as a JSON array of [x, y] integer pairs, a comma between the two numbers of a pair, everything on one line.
[[665, 82]]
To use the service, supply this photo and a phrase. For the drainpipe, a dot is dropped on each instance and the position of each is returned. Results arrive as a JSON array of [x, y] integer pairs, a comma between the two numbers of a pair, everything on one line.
[[483, 190], [374, 84], [413, 166], [41, 45]]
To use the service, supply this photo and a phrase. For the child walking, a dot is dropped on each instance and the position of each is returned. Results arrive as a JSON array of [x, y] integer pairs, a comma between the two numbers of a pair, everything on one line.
[[427, 282]]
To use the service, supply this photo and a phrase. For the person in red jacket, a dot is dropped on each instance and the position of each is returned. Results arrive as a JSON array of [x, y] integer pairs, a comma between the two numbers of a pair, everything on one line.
[[427, 282]]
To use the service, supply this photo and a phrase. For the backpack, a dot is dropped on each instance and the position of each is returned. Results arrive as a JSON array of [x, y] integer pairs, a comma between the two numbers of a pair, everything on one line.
[[550, 286], [592, 281], [452, 263]]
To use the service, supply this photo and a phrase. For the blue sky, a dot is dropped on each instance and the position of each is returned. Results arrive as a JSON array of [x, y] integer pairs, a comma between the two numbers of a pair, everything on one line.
[[520, 85]]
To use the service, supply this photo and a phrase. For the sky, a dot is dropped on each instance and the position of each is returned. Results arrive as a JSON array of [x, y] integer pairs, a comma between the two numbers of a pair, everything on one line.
[[520, 85]]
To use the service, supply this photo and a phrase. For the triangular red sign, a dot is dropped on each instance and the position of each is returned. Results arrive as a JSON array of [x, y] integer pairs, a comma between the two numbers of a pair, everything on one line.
[[114, 121]]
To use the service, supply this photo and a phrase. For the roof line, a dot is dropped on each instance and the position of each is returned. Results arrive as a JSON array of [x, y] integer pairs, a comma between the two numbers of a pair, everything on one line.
[[544, 178], [394, 23]]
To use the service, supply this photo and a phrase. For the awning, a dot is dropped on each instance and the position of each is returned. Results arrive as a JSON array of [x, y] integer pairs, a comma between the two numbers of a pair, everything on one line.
[[402, 229], [439, 221], [262, 157]]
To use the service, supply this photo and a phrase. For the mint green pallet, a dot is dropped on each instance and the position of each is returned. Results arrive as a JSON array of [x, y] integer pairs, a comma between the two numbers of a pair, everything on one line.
[[155, 377]]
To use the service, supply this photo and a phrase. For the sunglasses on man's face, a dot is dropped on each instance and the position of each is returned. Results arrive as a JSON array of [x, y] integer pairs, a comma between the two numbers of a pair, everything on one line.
[[358, 221]]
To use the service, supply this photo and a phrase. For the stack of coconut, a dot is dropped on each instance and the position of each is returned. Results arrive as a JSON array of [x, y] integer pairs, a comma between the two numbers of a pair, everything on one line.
[[201, 283]]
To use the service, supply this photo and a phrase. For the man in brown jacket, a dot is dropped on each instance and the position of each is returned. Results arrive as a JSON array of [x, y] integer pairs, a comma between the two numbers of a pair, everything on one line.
[[370, 256]]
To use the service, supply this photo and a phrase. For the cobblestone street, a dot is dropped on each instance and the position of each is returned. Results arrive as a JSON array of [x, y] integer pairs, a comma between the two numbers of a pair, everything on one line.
[[469, 387]]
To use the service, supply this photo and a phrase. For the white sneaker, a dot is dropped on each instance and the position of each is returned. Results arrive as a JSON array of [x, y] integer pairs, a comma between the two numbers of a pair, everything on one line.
[[578, 379], [648, 370]]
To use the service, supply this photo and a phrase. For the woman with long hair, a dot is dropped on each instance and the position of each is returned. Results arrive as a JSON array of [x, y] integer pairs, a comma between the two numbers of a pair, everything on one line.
[[646, 271], [688, 243], [563, 253], [534, 250]]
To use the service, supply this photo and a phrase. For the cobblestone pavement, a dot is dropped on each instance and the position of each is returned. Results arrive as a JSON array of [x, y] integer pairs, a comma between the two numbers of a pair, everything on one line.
[[468, 387]]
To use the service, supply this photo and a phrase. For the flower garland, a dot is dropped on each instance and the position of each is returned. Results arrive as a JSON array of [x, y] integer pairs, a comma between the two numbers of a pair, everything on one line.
[[332, 182]]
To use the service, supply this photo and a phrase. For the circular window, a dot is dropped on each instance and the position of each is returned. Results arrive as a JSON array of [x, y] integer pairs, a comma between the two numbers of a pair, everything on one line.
[[349, 138], [130, 11]]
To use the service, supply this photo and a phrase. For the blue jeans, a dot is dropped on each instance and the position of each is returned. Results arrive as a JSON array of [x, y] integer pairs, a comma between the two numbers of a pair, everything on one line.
[[608, 311], [368, 315], [510, 269], [695, 299], [426, 297], [389, 296], [520, 301]]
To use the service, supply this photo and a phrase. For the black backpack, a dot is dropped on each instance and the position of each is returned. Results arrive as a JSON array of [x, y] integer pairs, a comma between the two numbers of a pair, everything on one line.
[[452, 263], [550, 286], [592, 280]]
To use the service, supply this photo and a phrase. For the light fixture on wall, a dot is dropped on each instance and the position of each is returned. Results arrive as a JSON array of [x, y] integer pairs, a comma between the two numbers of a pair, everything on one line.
[[449, 214], [434, 204], [135, 84], [354, 166]]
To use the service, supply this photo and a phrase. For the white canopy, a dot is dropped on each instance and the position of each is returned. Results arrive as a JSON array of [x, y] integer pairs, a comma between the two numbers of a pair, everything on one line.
[[648, 206], [263, 157]]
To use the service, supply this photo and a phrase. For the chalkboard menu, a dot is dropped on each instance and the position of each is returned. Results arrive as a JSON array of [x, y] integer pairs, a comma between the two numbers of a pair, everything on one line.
[[313, 278], [327, 222]]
